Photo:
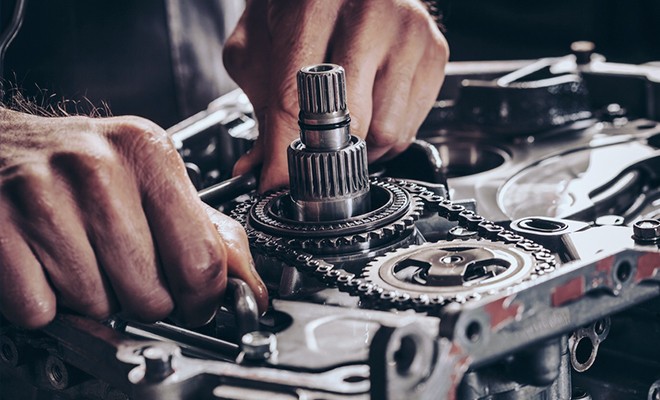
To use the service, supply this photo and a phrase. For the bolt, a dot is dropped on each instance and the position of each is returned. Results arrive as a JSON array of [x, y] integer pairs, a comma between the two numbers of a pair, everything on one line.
[[158, 363], [583, 50], [646, 231], [259, 345]]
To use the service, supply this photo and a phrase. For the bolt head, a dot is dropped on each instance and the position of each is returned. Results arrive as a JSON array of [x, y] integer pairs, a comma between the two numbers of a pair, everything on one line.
[[158, 363], [646, 230], [259, 345]]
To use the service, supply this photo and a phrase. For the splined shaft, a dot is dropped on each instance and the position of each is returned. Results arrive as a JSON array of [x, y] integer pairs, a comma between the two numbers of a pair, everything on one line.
[[328, 170]]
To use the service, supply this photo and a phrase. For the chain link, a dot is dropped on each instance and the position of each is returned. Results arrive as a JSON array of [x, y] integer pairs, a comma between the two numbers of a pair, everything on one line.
[[374, 296]]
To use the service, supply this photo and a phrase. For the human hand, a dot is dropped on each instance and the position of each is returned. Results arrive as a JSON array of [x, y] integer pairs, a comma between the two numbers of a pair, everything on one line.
[[393, 53], [98, 215]]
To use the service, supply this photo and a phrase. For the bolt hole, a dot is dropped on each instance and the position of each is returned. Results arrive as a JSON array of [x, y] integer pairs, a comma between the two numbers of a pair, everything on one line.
[[55, 375], [405, 355], [623, 271], [473, 331], [355, 379], [6, 352], [600, 327], [583, 350]]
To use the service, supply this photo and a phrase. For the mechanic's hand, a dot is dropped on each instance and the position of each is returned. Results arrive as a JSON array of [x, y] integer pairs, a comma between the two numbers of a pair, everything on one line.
[[393, 53], [98, 215]]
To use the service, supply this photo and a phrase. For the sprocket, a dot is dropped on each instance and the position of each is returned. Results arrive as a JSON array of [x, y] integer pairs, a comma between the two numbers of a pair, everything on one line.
[[395, 213], [450, 271]]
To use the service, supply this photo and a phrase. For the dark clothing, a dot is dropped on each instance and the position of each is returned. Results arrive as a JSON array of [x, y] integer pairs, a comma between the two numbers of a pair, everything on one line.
[[160, 59]]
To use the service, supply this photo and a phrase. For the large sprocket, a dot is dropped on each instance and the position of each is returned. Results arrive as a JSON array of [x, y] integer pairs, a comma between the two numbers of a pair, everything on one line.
[[450, 271]]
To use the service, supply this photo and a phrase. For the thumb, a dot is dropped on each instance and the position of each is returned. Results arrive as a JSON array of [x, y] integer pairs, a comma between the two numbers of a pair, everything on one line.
[[251, 160], [280, 130]]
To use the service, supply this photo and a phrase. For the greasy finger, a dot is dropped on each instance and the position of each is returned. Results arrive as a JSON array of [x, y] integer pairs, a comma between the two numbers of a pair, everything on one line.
[[239, 260], [191, 252]]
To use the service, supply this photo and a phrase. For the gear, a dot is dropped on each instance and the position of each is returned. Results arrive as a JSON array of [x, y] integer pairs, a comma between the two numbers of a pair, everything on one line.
[[420, 277], [450, 270], [395, 211]]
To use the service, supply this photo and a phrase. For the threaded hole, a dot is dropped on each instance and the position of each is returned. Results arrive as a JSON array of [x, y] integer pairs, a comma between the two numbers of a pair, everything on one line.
[[55, 375], [6, 352]]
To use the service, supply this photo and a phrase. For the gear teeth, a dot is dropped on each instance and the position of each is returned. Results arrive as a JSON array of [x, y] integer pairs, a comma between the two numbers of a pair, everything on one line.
[[362, 237], [408, 221], [322, 176], [380, 274]]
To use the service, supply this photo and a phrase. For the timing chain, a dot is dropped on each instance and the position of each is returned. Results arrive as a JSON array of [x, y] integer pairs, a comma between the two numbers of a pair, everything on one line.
[[372, 295]]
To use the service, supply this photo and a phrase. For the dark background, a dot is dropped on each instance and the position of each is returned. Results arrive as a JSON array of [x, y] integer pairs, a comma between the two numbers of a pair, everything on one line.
[[623, 31]]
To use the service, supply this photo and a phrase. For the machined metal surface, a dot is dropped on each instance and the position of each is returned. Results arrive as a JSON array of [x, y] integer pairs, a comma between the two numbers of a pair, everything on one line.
[[328, 171]]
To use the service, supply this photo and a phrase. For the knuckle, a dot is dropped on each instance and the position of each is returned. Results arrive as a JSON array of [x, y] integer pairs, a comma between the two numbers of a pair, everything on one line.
[[131, 131], [144, 145], [383, 135], [93, 163], [414, 18], [204, 279], [26, 182]]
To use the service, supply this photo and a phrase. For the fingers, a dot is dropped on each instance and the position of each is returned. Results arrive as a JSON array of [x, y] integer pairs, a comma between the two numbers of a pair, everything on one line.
[[117, 227], [280, 129], [26, 298], [107, 216], [239, 261], [266, 69], [299, 43], [393, 75], [51, 224], [249, 69], [428, 80], [191, 252]]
